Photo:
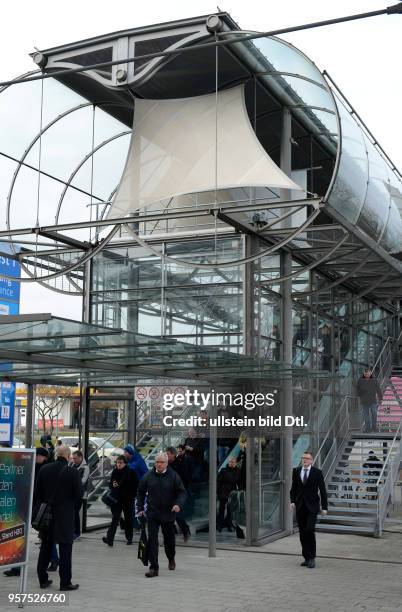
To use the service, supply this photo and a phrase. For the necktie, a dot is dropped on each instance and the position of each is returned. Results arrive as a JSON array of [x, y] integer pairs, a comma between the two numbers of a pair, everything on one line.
[[305, 477]]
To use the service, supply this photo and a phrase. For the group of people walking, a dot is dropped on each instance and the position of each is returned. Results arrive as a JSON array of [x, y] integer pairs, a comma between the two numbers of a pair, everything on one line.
[[159, 495]]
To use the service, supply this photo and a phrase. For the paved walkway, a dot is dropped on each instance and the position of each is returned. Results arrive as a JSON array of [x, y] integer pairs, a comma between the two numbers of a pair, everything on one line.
[[353, 574]]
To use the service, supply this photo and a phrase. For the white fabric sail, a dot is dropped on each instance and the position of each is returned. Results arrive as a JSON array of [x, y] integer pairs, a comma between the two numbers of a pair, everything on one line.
[[174, 151]]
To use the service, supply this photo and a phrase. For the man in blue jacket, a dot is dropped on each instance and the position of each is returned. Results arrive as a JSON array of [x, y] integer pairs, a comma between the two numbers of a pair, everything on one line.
[[135, 461]]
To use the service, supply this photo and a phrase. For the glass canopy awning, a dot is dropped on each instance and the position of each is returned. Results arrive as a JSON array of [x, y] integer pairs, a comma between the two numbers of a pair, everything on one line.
[[41, 348]]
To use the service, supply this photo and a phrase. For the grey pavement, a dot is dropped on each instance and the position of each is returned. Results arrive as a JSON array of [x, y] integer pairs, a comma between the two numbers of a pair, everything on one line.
[[353, 573]]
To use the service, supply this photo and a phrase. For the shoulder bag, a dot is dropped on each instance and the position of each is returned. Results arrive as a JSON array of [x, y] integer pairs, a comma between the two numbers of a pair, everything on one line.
[[43, 517]]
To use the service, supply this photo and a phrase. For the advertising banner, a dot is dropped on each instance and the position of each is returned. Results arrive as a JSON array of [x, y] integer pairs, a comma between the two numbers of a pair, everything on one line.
[[16, 489], [7, 402], [9, 305]]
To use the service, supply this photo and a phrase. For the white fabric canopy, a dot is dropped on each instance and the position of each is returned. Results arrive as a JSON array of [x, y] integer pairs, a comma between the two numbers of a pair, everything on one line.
[[173, 151]]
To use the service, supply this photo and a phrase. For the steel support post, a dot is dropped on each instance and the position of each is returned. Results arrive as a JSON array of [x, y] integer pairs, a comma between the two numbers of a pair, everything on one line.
[[30, 417], [132, 421], [287, 393], [287, 337], [212, 484]]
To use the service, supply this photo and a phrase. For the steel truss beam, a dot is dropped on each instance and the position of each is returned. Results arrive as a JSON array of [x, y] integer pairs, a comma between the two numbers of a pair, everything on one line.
[[201, 211], [78, 244]]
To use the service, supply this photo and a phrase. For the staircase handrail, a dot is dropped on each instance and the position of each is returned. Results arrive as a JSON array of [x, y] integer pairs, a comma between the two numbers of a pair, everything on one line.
[[110, 436], [384, 494], [330, 429], [176, 434], [327, 436], [381, 362], [388, 340], [386, 462]]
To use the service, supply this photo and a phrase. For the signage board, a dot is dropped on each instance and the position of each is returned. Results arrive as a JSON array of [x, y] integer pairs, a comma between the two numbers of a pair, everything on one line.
[[9, 305], [17, 467]]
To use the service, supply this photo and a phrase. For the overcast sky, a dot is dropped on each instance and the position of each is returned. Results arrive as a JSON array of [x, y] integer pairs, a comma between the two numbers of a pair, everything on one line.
[[363, 57]]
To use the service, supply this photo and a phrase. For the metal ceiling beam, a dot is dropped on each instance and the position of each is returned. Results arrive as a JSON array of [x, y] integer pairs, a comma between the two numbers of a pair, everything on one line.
[[25, 318], [193, 212], [71, 362], [82, 246], [364, 238]]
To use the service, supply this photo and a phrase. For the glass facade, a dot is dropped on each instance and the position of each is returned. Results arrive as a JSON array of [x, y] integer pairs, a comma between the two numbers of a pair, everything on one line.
[[330, 333], [249, 286]]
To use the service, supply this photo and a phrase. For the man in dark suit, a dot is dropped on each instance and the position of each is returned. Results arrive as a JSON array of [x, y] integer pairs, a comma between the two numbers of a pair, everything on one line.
[[60, 485], [307, 480], [165, 494]]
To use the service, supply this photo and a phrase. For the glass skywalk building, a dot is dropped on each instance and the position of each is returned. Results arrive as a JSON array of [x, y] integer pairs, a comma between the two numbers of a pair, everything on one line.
[[230, 223]]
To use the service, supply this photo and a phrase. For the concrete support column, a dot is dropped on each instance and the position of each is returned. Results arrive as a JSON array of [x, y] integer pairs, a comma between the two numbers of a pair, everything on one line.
[[30, 417]]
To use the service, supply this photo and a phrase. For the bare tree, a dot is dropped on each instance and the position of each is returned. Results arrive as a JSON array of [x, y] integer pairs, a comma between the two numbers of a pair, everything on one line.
[[49, 400]]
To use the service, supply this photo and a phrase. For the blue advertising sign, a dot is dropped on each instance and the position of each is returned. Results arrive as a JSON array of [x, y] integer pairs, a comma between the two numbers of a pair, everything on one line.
[[9, 290], [7, 403], [9, 305]]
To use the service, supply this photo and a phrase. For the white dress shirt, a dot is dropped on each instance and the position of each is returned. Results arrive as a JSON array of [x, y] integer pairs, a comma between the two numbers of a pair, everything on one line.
[[303, 470]]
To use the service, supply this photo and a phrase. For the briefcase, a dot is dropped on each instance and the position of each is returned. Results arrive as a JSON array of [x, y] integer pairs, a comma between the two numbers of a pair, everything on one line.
[[109, 499], [143, 546], [43, 517]]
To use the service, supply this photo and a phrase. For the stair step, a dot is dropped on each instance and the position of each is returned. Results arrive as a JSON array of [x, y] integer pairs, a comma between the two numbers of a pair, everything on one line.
[[359, 502], [372, 436], [355, 479], [363, 511], [355, 469], [347, 519], [339, 480], [363, 444], [344, 528], [364, 453], [349, 496]]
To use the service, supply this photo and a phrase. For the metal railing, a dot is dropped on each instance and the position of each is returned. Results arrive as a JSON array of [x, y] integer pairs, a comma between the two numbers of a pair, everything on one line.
[[335, 437], [383, 364], [98, 477], [391, 469], [163, 438], [123, 427]]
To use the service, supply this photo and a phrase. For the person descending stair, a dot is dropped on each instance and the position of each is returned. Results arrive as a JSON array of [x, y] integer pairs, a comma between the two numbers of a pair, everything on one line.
[[370, 395]]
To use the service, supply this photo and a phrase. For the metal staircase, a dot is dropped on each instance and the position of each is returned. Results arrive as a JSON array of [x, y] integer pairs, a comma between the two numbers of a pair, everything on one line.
[[365, 468], [361, 483]]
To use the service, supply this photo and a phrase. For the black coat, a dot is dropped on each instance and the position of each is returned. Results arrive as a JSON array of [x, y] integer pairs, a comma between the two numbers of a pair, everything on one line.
[[35, 505], [228, 481], [127, 484], [368, 391], [374, 465], [309, 492], [182, 466], [164, 491], [64, 494], [197, 454]]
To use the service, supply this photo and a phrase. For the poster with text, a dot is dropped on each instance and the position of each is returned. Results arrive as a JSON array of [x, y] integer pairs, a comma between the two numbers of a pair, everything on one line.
[[9, 305], [16, 484]]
